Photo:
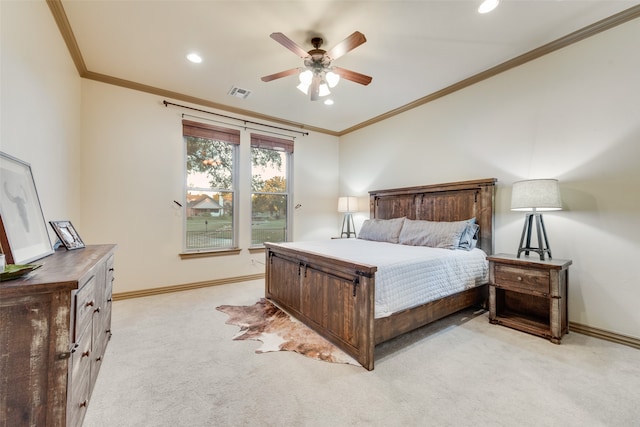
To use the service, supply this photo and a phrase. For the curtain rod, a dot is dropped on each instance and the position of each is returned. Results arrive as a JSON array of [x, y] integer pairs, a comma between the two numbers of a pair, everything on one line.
[[167, 103], [238, 126]]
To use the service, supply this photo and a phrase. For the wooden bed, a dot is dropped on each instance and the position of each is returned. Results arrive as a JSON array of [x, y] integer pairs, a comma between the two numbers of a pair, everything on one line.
[[336, 297]]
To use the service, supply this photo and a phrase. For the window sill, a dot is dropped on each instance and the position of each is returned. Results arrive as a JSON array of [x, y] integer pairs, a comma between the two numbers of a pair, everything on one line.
[[206, 254], [256, 249]]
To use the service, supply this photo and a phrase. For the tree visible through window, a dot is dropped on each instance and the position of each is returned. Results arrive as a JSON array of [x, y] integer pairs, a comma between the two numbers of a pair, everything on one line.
[[211, 154], [270, 169]]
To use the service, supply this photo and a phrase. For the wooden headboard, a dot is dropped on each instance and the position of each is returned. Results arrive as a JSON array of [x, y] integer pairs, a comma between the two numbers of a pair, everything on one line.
[[454, 201]]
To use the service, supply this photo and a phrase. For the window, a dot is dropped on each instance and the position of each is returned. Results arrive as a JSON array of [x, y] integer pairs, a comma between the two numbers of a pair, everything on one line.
[[271, 160], [211, 157]]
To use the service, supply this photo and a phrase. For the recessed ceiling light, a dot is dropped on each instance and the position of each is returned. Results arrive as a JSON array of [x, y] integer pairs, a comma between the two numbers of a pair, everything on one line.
[[194, 57], [328, 102], [488, 5]]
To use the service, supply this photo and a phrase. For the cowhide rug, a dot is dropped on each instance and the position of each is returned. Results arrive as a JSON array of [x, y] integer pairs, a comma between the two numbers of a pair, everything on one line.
[[278, 331]]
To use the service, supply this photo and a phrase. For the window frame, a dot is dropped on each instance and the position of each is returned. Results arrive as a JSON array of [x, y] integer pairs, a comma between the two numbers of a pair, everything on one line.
[[229, 136], [280, 145]]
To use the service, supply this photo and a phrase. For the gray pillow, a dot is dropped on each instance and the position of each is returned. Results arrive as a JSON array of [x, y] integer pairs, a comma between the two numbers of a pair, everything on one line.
[[381, 230], [434, 234]]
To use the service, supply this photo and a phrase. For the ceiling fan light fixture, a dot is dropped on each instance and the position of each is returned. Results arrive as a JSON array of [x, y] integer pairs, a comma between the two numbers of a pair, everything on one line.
[[306, 77], [304, 88], [332, 79], [323, 90], [488, 5]]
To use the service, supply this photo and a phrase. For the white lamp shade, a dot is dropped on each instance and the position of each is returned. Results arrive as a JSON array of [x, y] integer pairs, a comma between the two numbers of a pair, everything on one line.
[[332, 78], [323, 90], [304, 88], [305, 77], [347, 204], [536, 194]]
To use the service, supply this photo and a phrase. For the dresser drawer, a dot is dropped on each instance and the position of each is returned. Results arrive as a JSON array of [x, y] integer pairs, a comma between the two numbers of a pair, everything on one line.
[[521, 278], [80, 387], [85, 306]]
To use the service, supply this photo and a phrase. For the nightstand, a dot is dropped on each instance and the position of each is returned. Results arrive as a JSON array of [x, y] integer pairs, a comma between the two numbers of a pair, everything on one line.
[[529, 295]]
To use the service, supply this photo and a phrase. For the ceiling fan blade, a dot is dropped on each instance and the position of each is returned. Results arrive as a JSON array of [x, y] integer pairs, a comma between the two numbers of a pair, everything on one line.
[[352, 75], [289, 44], [280, 75], [350, 43], [314, 90]]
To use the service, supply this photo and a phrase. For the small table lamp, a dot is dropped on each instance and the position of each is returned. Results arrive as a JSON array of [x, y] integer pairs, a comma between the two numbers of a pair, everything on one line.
[[347, 205], [535, 195]]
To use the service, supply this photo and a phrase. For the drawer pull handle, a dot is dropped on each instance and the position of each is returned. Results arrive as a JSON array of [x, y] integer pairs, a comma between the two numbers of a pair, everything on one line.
[[90, 304], [86, 353], [84, 403], [97, 310], [99, 359], [519, 279]]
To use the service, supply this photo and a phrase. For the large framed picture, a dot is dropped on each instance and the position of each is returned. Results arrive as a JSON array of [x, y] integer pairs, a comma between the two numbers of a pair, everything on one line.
[[67, 234], [23, 231]]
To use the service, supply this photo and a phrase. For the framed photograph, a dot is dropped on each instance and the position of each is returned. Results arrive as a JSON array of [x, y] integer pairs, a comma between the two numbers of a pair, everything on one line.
[[67, 234], [23, 231]]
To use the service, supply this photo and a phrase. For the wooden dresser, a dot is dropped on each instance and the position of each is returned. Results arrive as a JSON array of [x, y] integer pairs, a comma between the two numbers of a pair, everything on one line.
[[54, 327]]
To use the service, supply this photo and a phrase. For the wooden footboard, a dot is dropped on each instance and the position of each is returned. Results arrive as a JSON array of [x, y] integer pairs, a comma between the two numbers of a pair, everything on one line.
[[331, 296]]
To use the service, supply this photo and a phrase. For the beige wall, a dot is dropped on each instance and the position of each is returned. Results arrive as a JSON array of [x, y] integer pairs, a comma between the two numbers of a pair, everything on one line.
[[573, 115], [40, 106]]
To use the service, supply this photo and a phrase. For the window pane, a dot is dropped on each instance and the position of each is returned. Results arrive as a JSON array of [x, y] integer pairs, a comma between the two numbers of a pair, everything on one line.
[[210, 194], [209, 163], [269, 218], [209, 220], [269, 198]]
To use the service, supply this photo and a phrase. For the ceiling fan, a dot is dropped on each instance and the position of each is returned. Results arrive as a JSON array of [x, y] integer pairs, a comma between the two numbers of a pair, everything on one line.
[[318, 75]]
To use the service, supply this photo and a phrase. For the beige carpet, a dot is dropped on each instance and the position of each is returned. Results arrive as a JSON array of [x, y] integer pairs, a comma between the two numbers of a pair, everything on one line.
[[278, 331], [171, 363]]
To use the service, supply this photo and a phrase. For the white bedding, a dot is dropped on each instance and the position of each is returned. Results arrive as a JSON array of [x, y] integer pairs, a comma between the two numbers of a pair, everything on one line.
[[407, 276]]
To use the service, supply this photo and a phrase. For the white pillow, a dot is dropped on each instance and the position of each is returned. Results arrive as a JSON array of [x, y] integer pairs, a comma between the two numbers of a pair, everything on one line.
[[381, 230], [434, 234]]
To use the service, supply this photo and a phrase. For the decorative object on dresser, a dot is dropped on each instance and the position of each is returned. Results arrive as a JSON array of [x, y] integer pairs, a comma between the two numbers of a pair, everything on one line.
[[530, 295], [54, 327], [336, 296], [23, 231], [278, 331], [347, 205], [67, 234], [535, 195]]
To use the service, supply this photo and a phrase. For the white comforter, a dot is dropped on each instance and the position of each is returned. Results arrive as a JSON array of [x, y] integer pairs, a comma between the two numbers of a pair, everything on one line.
[[407, 276]]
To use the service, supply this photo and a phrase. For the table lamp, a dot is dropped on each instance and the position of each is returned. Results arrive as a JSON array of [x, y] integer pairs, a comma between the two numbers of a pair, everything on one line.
[[348, 205], [535, 195]]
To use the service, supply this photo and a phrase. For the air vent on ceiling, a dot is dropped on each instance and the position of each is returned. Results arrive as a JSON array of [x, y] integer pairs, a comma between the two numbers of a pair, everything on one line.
[[239, 93]]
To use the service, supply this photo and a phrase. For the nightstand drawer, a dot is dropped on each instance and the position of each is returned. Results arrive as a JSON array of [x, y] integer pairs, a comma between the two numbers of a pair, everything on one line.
[[535, 280]]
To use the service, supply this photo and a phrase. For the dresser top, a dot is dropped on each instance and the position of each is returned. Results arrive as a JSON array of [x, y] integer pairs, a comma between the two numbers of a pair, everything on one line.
[[61, 270]]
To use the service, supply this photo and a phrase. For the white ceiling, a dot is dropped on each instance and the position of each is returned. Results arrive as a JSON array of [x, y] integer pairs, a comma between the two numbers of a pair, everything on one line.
[[413, 48]]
